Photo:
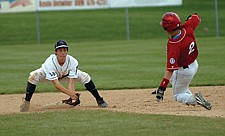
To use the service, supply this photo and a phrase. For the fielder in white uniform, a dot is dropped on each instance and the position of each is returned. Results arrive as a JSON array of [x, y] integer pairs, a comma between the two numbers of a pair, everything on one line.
[[57, 67]]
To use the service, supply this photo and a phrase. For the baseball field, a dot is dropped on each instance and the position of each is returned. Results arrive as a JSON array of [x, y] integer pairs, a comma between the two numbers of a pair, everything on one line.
[[125, 72]]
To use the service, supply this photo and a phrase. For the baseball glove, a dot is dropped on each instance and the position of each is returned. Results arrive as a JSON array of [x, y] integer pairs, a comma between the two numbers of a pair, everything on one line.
[[70, 101], [154, 92]]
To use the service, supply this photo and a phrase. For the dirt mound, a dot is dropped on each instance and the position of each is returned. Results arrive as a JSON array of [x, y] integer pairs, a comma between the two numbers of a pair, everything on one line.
[[135, 100]]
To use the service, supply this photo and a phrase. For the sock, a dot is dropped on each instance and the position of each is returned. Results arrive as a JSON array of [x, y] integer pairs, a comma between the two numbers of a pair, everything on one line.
[[29, 91], [90, 86]]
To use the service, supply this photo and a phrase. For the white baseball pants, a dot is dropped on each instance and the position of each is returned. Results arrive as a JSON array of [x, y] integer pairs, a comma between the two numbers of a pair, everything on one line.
[[39, 76], [181, 80]]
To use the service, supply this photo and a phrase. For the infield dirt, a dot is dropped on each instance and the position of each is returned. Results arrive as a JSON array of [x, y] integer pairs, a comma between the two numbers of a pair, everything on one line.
[[134, 100]]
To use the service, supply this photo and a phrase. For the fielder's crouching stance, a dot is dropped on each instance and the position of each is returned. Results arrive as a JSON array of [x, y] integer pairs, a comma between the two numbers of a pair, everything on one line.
[[182, 65], [61, 66]]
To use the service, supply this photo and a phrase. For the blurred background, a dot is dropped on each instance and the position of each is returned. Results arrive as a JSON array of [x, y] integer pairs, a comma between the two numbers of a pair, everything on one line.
[[106, 24]]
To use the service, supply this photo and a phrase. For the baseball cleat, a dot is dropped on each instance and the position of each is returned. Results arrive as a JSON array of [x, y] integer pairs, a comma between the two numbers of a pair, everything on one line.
[[201, 101], [102, 103], [25, 106]]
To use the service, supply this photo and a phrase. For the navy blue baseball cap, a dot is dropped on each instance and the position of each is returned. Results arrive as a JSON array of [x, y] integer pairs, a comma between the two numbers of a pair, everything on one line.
[[61, 44]]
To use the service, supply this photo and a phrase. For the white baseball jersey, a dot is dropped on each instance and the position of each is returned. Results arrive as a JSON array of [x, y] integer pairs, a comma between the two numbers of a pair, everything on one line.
[[53, 70]]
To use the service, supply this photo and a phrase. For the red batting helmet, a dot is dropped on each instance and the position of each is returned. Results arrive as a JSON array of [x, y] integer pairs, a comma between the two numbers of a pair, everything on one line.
[[170, 21]]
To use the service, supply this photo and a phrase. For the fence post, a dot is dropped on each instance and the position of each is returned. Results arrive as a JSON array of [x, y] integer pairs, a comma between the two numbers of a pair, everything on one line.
[[38, 24], [127, 23], [216, 14], [38, 28]]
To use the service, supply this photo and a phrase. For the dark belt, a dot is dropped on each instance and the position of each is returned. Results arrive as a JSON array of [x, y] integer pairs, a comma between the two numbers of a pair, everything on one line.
[[184, 67]]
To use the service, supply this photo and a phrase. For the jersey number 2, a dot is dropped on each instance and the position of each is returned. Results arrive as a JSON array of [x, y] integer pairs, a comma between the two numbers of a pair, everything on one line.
[[191, 47]]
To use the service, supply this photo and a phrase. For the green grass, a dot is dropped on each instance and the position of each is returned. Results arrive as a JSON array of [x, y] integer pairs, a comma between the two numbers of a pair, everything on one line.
[[106, 24], [112, 65], [101, 123]]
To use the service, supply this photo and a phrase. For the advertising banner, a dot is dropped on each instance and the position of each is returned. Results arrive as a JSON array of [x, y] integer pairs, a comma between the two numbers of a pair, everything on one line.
[[49, 5], [17, 6], [44, 5], [143, 3]]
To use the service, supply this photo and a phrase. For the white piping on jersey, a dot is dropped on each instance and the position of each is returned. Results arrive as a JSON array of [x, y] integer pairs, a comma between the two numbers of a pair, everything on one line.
[[198, 18], [180, 39]]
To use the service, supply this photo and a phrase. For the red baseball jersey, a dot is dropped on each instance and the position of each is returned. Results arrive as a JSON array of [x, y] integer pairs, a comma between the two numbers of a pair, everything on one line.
[[183, 50]]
